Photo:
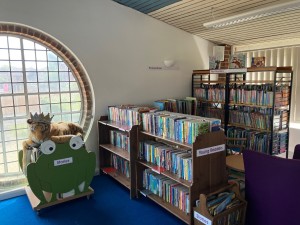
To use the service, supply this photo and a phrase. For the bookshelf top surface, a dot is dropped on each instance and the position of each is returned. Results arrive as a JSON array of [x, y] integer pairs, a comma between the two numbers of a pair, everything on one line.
[[116, 125], [117, 151], [286, 69]]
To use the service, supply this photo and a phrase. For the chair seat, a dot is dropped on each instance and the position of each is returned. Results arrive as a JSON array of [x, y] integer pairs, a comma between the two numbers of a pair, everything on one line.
[[235, 162]]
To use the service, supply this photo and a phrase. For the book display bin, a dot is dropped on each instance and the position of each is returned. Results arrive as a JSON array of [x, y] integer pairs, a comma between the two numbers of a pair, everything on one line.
[[234, 215]]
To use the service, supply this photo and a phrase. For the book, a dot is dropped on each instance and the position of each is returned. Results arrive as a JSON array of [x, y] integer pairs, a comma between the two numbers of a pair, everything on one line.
[[237, 61], [258, 61], [214, 63]]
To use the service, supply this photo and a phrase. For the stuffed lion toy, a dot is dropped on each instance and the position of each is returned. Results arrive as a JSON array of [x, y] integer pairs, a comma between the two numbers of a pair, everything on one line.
[[42, 129]]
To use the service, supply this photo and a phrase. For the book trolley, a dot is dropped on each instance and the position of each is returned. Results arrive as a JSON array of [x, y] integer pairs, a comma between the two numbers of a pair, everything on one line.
[[233, 215], [178, 194], [253, 103]]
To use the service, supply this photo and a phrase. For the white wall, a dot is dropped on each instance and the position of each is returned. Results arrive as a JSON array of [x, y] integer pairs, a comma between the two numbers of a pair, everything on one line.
[[116, 45]]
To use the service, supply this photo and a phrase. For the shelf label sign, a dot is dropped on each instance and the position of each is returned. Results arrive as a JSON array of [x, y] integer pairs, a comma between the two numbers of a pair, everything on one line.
[[202, 219], [60, 162], [210, 150]]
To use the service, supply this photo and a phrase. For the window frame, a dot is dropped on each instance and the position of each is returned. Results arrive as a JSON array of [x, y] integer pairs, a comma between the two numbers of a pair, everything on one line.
[[74, 65]]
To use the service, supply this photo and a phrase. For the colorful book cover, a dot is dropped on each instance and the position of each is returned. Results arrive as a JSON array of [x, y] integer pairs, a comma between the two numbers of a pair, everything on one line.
[[214, 63], [258, 61], [237, 61]]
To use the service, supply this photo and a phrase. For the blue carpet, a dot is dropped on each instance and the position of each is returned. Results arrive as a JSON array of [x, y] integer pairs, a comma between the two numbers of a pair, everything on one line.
[[110, 205]]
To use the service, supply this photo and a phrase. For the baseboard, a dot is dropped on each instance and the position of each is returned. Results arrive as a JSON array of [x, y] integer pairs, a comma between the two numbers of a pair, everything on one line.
[[12, 193]]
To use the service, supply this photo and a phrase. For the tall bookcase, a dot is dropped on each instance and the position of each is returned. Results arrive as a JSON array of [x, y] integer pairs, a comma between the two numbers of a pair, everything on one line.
[[208, 172], [251, 102], [109, 153]]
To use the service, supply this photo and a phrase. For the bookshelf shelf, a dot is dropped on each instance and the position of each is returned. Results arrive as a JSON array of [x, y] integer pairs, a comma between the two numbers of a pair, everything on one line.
[[165, 173], [249, 105], [166, 139], [208, 171], [111, 156], [256, 81], [214, 102], [121, 178], [257, 96], [116, 150], [172, 209], [116, 125], [248, 127]]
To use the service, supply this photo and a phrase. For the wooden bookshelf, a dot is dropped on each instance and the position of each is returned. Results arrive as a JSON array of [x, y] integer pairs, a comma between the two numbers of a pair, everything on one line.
[[116, 150], [107, 150], [208, 171], [121, 178], [274, 81], [172, 209]]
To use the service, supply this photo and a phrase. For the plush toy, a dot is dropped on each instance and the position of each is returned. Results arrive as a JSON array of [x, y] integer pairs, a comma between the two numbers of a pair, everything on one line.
[[42, 129]]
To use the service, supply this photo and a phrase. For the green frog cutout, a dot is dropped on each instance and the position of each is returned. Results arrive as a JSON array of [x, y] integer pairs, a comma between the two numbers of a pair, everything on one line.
[[61, 169]]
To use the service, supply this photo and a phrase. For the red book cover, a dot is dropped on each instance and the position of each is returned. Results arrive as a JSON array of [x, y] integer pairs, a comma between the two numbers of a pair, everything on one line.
[[109, 170]]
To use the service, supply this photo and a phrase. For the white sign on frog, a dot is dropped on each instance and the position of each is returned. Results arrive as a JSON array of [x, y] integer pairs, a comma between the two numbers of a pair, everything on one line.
[[60, 162]]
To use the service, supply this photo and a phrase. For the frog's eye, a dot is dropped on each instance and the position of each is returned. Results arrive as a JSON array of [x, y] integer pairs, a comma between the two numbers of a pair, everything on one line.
[[48, 147], [76, 142]]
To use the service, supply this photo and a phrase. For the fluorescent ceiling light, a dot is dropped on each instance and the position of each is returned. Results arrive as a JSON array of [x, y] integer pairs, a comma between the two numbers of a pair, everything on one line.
[[255, 14]]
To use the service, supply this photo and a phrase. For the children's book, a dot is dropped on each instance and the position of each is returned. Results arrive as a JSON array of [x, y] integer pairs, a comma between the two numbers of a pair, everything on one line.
[[237, 61], [214, 63], [258, 61]]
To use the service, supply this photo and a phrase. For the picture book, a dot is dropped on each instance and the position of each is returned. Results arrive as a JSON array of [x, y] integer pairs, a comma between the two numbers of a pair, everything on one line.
[[237, 61], [214, 63], [258, 61]]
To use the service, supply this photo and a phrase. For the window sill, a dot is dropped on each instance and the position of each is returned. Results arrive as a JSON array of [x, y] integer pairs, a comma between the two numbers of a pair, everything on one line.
[[12, 193]]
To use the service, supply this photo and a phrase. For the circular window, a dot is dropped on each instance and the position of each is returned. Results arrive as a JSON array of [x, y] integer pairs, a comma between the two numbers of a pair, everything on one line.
[[37, 74]]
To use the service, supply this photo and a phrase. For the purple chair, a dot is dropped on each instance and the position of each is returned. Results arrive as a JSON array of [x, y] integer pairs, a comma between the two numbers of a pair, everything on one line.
[[297, 152], [272, 187]]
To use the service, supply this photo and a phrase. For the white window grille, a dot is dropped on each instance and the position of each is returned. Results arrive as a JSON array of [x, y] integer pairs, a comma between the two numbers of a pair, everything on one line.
[[32, 79]]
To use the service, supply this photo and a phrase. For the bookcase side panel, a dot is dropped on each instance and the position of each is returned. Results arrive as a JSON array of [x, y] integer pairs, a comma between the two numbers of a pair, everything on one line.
[[133, 139], [102, 139], [209, 169]]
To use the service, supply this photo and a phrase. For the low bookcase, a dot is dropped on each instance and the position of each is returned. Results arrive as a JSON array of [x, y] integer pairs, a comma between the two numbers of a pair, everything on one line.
[[232, 215], [116, 161], [208, 172]]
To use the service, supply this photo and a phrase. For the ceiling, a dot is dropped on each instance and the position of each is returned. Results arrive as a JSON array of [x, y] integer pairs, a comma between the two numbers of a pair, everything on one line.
[[189, 15]]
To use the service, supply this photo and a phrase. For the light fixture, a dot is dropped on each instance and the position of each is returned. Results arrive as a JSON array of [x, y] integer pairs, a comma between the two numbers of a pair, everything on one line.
[[255, 14], [169, 62]]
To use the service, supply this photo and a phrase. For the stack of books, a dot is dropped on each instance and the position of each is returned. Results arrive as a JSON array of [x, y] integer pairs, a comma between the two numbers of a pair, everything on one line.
[[127, 114], [187, 105], [177, 161], [169, 190], [179, 127]]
